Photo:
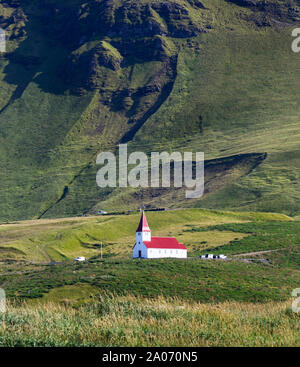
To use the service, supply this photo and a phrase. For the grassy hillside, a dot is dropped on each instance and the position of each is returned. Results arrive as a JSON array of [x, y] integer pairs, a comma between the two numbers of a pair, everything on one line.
[[65, 239], [252, 277], [200, 280], [81, 76]]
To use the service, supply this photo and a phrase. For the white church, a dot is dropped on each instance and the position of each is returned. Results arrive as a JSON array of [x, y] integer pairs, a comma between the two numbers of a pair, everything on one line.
[[148, 247]]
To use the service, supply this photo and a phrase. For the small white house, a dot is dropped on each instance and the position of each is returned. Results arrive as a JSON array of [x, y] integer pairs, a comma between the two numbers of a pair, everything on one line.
[[101, 212], [212, 256], [80, 259], [148, 247]]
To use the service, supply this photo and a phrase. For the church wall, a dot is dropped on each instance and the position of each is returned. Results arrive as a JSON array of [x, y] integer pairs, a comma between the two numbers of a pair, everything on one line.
[[166, 253], [140, 247]]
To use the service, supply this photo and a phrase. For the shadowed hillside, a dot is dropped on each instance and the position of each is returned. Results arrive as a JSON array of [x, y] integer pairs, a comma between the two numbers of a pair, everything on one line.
[[80, 77]]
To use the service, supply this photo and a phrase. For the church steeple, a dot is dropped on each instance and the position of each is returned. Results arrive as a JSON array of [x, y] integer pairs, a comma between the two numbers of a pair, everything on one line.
[[143, 225], [143, 232]]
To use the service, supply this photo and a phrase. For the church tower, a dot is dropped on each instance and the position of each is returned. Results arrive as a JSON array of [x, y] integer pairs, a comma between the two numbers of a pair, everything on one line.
[[143, 232]]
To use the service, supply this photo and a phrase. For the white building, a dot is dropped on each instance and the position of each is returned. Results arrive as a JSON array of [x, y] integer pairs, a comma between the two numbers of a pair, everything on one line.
[[148, 247], [80, 259]]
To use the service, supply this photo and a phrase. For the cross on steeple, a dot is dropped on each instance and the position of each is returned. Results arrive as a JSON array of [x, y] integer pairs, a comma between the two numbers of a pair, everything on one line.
[[142, 208]]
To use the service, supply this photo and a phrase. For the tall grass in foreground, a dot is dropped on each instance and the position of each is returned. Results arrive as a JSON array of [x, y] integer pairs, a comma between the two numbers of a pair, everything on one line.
[[133, 321]]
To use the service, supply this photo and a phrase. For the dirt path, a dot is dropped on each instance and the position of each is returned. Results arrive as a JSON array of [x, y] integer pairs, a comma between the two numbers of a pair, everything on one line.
[[259, 252], [43, 251]]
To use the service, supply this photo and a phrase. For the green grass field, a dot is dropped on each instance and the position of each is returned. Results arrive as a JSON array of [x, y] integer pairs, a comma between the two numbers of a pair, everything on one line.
[[135, 322], [243, 301], [45, 241], [61, 240]]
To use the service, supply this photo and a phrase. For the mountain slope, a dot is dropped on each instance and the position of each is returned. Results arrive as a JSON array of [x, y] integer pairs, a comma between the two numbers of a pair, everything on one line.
[[81, 76]]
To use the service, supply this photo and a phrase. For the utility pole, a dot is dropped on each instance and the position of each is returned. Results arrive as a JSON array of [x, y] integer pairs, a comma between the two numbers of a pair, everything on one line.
[[37, 254], [101, 251]]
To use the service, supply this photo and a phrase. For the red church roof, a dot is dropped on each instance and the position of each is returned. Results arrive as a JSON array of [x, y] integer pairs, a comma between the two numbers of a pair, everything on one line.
[[164, 243], [143, 226]]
